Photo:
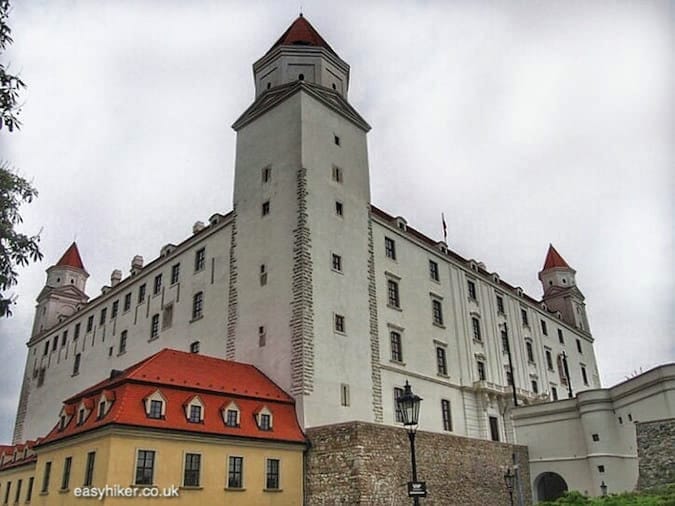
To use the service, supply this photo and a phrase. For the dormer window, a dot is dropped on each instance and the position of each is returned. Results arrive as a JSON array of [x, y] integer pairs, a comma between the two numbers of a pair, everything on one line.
[[155, 409], [231, 415], [80, 416], [62, 422], [155, 406], [194, 410], [101, 409], [264, 419]]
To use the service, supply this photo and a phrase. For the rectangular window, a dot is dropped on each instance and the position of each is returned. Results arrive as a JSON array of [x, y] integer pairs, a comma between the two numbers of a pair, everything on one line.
[[17, 496], [447, 415], [46, 350], [441, 361], [263, 275], [232, 418], [200, 259], [544, 329], [7, 490], [344, 394], [398, 414], [115, 309], [437, 312], [127, 302], [505, 341], [194, 347], [535, 386], [195, 414], [175, 273], [390, 248], [433, 270], [101, 410], [90, 323], [475, 324], [76, 364], [579, 346], [266, 174], [155, 409], [554, 393], [481, 370], [337, 174], [141, 293], [584, 375], [197, 305], [509, 377], [123, 342], [76, 334], [396, 351], [64, 338], [339, 209], [471, 288], [392, 294], [29, 492], [45, 478], [336, 139], [601, 469], [55, 343], [167, 316], [524, 318], [339, 322], [596, 437], [549, 360], [272, 475], [157, 285], [65, 481], [104, 311], [494, 428], [193, 463], [262, 336], [41, 376], [145, 467], [154, 326], [530, 352], [265, 422], [337, 263], [561, 339], [500, 304], [266, 208], [235, 472]]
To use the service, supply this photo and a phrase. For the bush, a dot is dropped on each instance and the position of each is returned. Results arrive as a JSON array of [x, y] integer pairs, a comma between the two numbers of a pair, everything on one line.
[[656, 497]]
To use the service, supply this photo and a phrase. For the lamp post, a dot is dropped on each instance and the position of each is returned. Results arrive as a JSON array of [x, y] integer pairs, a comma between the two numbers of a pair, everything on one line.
[[408, 405], [508, 480], [603, 489]]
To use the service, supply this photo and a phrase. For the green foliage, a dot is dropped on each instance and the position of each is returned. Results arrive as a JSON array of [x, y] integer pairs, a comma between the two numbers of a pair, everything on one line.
[[10, 85], [657, 497]]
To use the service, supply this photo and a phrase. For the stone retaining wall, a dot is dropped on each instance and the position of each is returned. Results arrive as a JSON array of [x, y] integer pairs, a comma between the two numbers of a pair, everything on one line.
[[656, 457]]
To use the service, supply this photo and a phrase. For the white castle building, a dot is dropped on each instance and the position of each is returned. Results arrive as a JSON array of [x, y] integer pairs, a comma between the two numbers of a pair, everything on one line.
[[334, 299]]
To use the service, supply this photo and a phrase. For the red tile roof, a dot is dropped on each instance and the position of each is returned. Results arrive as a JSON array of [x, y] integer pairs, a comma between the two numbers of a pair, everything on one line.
[[20, 461], [302, 33], [179, 376], [71, 258], [553, 259]]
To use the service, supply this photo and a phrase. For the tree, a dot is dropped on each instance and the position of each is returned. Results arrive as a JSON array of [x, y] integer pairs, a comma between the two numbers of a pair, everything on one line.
[[16, 249]]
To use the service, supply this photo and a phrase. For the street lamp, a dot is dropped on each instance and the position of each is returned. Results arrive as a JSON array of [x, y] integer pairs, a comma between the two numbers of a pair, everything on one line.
[[408, 405], [603, 489], [509, 477]]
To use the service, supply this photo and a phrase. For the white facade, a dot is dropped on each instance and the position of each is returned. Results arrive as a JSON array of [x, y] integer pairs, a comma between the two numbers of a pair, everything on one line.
[[301, 281], [595, 439]]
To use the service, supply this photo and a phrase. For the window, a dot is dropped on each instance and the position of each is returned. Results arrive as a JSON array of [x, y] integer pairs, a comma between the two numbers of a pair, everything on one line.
[[561, 340], [475, 324], [145, 467], [154, 326], [104, 311], [337, 263], [437, 312], [579, 346], [29, 492], [272, 478], [46, 350], [389, 248], [337, 174], [530, 352], [7, 490], [76, 334], [535, 386], [200, 259], [500, 304], [65, 481], [155, 409], [235, 472], [471, 288], [195, 414], [89, 470], [336, 139], [232, 418], [505, 341], [447, 416], [141, 293], [544, 329], [18, 491], [123, 342], [396, 351], [127, 302], [45, 478], [433, 270], [265, 421], [194, 347], [596, 437], [339, 209], [263, 275], [494, 428], [192, 467], [344, 394], [554, 393], [398, 414], [175, 273], [101, 410], [167, 316], [55, 343], [41, 376], [80, 416], [64, 338], [262, 336], [392, 294], [90, 323], [197, 305], [509, 377], [549, 360], [584, 375], [266, 208], [481, 370], [157, 285], [76, 364], [601, 469], [441, 361], [339, 322], [524, 318], [266, 174]]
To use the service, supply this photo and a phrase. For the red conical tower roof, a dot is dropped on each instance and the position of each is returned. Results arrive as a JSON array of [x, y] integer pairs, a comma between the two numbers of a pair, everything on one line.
[[71, 258], [553, 259], [302, 33]]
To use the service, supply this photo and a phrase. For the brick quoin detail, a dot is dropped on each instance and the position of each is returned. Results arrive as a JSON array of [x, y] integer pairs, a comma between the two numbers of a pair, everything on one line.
[[232, 306], [375, 374]]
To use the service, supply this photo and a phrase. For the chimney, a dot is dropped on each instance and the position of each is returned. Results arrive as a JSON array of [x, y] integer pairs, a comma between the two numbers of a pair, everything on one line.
[[115, 277], [198, 227], [136, 265]]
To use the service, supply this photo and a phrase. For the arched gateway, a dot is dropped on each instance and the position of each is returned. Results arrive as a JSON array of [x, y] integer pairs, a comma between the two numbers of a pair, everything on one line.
[[549, 486]]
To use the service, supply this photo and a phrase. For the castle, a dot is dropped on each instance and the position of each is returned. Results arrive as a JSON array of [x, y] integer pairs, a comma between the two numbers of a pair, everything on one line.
[[334, 299]]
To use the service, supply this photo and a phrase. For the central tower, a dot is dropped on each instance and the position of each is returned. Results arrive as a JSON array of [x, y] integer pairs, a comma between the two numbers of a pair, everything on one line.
[[302, 233]]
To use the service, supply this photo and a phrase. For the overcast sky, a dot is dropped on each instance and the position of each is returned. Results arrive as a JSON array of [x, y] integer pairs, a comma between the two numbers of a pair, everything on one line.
[[524, 122]]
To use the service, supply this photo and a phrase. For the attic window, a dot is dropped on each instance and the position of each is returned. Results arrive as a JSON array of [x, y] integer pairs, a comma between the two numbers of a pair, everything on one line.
[[155, 405], [80, 416], [155, 409], [231, 415], [62, 422], [101, 409], [194, 411], [264, 419]]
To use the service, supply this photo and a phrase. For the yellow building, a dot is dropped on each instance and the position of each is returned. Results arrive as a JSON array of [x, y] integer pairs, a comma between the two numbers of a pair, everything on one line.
[[176, 428]]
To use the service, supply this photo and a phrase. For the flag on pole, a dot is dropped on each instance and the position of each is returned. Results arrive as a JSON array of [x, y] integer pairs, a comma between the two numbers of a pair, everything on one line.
[[445, 228]]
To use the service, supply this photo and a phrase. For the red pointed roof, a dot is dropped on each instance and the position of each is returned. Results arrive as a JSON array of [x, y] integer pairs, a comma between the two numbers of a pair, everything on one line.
[[553, 259], [71, 258], [302, 33]]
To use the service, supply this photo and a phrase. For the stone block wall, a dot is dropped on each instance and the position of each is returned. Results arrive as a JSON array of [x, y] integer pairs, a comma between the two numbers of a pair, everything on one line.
[[656, 454], [358, 463]]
